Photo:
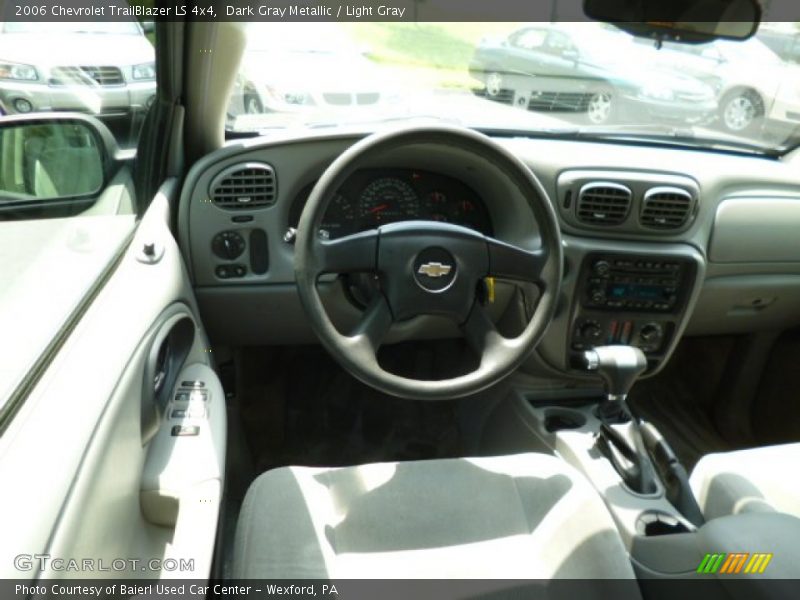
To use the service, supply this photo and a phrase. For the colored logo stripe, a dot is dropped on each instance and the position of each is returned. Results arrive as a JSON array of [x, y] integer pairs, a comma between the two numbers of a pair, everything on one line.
[[758, 564], [734, 563]]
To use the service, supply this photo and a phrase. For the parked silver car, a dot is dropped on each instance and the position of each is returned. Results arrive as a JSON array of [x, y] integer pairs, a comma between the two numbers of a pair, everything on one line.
[[297, 68], [102, 68], [754, 86]]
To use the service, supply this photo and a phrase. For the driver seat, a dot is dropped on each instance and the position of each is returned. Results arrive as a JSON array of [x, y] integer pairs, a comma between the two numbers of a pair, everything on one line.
[[525, 516]]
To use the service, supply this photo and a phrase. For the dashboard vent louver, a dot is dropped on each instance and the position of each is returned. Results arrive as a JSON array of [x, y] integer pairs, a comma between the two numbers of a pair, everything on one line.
[[666, 208], [244, 186], [603, 203]]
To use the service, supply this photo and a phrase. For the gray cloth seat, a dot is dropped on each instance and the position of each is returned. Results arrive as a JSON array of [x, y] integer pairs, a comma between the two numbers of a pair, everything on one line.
[[527, 516], [752, 480]]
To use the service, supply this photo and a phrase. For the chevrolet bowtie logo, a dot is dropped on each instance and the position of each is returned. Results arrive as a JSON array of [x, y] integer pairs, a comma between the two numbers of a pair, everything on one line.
[[434, 269]]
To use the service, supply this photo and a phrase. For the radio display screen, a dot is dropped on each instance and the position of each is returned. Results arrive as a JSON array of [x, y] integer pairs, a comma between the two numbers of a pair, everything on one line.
[[626, 291]]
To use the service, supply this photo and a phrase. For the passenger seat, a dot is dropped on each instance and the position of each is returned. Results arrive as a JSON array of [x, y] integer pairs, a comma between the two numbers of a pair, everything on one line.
[[752, 480]]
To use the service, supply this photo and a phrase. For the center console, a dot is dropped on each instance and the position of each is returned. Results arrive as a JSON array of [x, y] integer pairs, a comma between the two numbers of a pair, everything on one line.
[[635, 300]]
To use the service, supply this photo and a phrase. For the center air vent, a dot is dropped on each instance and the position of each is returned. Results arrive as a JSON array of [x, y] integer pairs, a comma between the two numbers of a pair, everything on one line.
[[243, 186], [666, 208], [603, 203]]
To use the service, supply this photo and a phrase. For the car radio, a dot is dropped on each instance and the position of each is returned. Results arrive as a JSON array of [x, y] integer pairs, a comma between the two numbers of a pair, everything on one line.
[[627, 299], [616, 282]]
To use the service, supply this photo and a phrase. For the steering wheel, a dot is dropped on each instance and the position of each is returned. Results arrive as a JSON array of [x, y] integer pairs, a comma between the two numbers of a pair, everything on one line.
[[428, 268]]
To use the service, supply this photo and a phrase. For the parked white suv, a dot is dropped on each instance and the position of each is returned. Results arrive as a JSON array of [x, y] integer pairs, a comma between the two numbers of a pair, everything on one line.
[[102, 68]]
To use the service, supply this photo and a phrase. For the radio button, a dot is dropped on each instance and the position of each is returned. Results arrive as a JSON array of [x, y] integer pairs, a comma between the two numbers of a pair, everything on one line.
[[601, 267], [598, 295]]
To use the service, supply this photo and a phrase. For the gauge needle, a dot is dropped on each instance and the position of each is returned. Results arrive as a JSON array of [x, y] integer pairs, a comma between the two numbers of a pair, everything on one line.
[[378, 208]]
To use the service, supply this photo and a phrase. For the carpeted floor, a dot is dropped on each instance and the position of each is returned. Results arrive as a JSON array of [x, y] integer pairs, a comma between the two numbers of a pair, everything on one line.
[[299, 407]]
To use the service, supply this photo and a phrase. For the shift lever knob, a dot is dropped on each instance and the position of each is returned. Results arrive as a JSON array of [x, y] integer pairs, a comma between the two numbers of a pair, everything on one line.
[[619, 367]]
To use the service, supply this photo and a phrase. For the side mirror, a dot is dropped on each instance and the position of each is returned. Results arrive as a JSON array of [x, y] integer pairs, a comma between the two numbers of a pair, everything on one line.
[[52, 159], [149, 27]]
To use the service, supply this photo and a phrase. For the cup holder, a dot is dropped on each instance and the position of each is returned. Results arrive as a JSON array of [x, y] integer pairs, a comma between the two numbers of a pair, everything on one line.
[[653, 523], [558, 419]]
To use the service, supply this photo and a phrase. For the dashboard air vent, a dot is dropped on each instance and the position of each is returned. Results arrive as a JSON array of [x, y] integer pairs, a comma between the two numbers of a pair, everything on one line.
[[244, 186], [666, 208], [603, 203]]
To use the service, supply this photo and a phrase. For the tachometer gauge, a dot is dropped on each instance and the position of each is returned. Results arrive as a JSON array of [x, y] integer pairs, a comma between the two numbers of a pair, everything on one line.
[[340, 218], [388, 200]]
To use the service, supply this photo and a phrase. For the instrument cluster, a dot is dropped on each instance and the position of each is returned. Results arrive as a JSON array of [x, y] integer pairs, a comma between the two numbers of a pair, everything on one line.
[[375, 197]]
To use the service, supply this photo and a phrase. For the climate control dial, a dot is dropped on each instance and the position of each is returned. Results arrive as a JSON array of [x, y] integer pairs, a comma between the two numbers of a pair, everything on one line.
[[651, 332]]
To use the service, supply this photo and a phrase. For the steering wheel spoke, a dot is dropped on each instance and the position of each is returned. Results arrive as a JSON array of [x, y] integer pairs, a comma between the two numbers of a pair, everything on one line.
[[507, 261], [480, 332], [351, 254], [374, 325]]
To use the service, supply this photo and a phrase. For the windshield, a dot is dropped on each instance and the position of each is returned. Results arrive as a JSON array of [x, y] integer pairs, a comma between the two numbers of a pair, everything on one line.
[[585, 78], [114, 28]]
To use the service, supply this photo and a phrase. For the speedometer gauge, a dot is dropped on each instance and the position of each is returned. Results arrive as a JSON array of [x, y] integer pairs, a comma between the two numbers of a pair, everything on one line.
[[388, 200]]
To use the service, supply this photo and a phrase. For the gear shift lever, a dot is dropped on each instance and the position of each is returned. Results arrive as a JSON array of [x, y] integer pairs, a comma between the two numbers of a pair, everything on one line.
[[619, 367]]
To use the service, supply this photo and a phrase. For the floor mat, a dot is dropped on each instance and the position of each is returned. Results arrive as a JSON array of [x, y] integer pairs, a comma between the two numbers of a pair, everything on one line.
[[299, 407], [776, 413], [679, 400]]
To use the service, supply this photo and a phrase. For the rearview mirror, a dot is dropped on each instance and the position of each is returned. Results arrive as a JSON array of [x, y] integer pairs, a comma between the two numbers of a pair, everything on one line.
[[50, 159], [690, 21]]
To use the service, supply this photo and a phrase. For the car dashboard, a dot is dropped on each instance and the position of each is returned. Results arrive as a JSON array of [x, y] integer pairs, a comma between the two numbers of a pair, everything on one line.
[[659, 242]]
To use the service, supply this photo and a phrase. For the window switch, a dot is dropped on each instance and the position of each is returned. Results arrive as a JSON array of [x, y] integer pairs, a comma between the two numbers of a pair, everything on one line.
[[179, 413], [193, 384], [182, 397], [196, 411], [198, 396], [185, 430]]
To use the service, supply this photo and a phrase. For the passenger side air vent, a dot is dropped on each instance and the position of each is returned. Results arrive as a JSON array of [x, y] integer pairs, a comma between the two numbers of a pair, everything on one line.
[[603, 203], [666, 208], [244, 186]]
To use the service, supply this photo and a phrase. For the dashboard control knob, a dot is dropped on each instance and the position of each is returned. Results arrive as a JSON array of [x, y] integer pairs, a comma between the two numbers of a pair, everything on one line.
[[651, 332], [228, 245], [590, 330], [597, 295], [601, 267]]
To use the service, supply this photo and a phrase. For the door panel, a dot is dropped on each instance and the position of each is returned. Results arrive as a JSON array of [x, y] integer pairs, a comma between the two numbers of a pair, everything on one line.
[[86, 447]]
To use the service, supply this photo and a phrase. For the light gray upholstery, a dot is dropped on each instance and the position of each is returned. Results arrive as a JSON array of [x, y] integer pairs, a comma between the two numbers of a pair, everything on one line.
[[523, 516], [757, 479]]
